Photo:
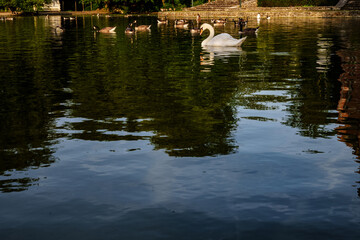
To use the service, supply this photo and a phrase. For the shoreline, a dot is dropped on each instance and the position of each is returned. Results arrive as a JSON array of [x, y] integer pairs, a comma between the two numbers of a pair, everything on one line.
[[41, 13], [274, 12]]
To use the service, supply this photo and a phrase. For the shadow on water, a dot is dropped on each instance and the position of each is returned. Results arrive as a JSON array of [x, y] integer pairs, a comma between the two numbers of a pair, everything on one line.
[[161, 223], [349, 103]]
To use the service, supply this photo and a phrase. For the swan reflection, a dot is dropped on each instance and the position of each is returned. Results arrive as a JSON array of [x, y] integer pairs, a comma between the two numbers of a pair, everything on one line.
[[212, 53]]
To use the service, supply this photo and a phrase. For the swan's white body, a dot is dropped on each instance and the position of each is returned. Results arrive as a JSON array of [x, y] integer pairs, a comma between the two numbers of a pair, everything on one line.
[[220, 40]]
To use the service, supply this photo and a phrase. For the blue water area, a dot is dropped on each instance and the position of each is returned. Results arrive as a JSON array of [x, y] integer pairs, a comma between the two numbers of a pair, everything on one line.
[[151, 136]]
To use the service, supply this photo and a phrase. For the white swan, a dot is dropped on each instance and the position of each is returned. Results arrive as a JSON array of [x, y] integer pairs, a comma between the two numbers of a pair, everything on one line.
[[221, 40]]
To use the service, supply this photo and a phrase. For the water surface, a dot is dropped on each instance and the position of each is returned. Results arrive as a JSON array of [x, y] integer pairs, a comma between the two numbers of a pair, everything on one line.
[[151, 136]]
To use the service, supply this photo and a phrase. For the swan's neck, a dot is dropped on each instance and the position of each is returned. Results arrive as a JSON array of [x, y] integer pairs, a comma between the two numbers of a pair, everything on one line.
[[212, 32]]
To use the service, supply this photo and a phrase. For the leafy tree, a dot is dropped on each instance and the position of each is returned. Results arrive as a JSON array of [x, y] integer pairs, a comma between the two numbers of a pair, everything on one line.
[[133, 5], [23, 5], [137, 5], [10, 4]]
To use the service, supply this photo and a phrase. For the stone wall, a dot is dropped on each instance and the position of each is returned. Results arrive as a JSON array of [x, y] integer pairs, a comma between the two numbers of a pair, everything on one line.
[[279, 12], [248, 3]]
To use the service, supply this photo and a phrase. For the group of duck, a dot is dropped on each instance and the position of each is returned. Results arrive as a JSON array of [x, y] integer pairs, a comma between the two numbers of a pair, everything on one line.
[[181, 23], [221, 40], [130, 29], [189, 24]]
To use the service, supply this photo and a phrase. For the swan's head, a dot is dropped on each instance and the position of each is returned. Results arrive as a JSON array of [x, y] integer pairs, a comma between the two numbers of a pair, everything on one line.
[[205, 26]]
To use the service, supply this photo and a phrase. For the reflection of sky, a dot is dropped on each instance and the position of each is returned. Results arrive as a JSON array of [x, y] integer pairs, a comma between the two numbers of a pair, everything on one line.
[[276, 176], [273, 162]]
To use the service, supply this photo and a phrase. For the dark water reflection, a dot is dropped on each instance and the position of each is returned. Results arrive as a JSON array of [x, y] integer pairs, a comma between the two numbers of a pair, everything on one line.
[[149, 136]]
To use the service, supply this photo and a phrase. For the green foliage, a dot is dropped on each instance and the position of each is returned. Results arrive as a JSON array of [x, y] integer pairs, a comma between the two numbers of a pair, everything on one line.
[[292, 3], [132, 5], [92, 4], [23, 5], [199, 2], [10, 4], [123, 6], [141, 5]]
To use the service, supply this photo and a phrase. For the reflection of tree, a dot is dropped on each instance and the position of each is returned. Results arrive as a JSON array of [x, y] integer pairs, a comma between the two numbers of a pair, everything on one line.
[[166, 94], [25, 103], [145, 91], [293, 68]]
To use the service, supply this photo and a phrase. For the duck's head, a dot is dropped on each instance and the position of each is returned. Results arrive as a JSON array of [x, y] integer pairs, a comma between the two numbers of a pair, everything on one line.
[[96, 28], [129, 28]]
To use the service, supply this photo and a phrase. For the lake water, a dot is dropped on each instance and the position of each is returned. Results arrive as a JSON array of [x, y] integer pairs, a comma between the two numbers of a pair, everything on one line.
[[150, 136]]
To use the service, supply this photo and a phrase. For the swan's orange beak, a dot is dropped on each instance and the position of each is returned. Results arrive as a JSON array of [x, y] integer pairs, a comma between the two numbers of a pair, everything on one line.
[[201, 31]]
